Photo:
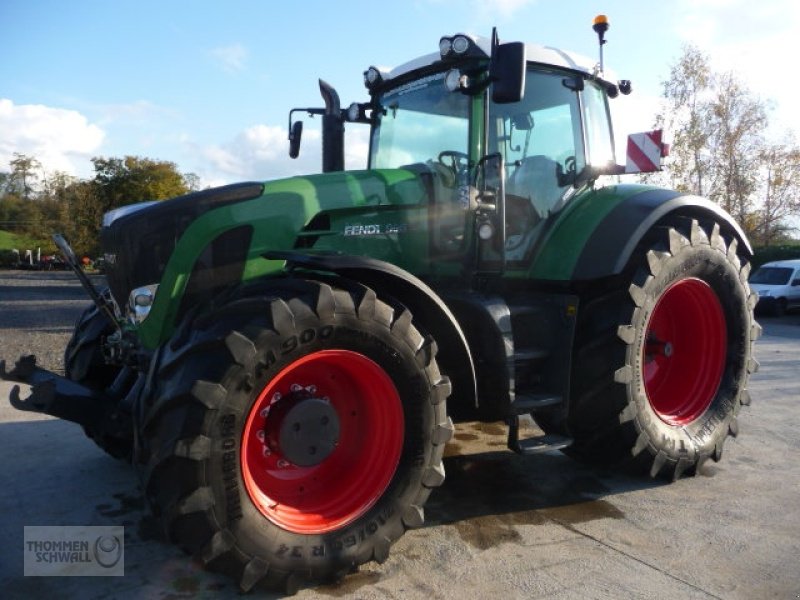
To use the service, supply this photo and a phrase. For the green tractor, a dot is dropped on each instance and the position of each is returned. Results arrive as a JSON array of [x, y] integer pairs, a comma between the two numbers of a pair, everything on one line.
[[284, 361]]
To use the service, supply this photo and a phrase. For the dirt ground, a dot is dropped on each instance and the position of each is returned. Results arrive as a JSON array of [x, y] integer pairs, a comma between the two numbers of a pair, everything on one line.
[[500, 526]]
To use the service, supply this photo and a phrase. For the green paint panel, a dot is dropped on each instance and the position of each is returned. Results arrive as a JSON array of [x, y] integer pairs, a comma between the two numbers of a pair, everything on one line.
[[565, 240], [395, 198]]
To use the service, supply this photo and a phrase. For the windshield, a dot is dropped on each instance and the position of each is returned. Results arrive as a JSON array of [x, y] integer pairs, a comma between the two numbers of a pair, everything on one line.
[[417, 121], [771, 276]]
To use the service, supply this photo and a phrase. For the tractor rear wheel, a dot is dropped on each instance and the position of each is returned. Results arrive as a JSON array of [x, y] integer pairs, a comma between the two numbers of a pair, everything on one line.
[[84, 363], [294, 432], [661, 364]]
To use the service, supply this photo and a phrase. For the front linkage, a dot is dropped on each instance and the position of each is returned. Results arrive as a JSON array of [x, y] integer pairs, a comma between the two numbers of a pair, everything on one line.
[[101, 378]]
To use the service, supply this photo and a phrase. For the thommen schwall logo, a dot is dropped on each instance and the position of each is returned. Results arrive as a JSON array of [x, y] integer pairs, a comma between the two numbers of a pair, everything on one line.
[[74, 551], [107, 550]]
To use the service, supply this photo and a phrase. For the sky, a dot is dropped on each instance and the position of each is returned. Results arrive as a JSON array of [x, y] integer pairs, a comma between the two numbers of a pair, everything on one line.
[[208, 85]]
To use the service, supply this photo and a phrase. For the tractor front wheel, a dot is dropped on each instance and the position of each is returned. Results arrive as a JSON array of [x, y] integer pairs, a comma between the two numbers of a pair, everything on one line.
[[294, 432], [84, 363]]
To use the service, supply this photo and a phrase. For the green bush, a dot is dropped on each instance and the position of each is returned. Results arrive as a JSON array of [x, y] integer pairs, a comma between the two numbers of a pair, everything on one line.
[[8, 258], [772, 253]]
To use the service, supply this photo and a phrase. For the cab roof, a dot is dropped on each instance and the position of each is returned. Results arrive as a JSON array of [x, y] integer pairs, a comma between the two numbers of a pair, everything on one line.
[[534, 53]]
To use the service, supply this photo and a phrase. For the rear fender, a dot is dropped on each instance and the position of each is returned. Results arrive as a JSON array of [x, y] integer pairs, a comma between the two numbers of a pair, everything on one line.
[[596, 236]]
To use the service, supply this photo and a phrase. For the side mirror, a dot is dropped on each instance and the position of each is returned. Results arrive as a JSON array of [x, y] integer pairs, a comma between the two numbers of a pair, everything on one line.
[[295, 134], [507, 71], [796, 282]]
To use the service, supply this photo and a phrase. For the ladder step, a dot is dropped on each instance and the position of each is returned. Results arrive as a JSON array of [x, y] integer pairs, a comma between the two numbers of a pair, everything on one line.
[[530, 355], [525, 403], [534, 445], [541, 444], [519, 310]]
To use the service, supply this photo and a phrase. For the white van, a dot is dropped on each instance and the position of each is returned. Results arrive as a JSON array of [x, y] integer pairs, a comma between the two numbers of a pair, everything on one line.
[[778, 286]]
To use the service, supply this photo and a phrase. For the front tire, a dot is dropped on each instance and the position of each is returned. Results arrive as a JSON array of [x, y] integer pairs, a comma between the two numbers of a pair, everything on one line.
[[662, 363], [294, 432], [84, 363]]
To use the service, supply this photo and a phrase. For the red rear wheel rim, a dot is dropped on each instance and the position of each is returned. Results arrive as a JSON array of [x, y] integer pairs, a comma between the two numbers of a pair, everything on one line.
[[353, 476], [684, 351]]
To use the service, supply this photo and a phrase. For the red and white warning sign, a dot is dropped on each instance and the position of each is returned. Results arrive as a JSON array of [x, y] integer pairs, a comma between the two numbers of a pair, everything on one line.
[[645, 151]]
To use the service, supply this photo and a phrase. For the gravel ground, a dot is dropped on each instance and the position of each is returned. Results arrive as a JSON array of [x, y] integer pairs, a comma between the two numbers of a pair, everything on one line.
[[500, 526], [37, 314]]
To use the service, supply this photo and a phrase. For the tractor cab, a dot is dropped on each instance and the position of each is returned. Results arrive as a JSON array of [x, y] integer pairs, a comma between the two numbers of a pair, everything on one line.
[[504, 135]]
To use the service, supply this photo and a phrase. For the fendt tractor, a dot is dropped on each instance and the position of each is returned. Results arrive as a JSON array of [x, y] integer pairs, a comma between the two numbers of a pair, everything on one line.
[[283, 362]]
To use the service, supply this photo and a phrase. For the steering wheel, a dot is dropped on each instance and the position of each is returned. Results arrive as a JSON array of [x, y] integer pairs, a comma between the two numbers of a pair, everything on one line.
[[456, 161]]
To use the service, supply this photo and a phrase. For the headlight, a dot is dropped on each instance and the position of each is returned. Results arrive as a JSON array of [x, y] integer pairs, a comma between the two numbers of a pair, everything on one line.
[[372, 77], [140, 301], [460, 44], [454, 80], [485, 231]]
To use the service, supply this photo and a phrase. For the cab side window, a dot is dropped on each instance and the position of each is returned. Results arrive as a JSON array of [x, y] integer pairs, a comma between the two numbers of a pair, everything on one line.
[[541, 140]]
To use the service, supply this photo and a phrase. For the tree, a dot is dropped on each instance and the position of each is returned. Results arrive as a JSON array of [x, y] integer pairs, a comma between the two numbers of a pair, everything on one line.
[[718, 127], [5, 184], [55, 185], [737, 121], [75, 207], [687, 92], [192, 181], [24, 174], [121, 181], [780, 191], [17, 214], [81, 216]]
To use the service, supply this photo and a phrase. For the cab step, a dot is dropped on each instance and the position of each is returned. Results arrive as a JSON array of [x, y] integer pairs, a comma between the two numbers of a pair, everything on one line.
[[528, 403], [534, 445]]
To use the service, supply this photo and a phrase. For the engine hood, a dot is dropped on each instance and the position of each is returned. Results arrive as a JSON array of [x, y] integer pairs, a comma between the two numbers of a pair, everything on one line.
[[141, 243]]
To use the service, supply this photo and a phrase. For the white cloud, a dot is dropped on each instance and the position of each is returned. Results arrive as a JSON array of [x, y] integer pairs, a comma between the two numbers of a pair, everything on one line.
[[632, 114], [356, 147], [232, 58], [60, 139], [261, 152], [752, 39]]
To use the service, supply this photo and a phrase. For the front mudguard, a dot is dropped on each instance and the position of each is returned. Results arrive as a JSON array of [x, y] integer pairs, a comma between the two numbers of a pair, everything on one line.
[[428, 308]]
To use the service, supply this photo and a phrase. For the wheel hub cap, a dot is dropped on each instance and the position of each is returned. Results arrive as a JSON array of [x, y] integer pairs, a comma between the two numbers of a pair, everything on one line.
[[304, 430]]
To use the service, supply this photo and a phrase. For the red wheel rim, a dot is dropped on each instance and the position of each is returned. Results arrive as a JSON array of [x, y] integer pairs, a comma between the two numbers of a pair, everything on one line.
[[684, 351], [350, 479]]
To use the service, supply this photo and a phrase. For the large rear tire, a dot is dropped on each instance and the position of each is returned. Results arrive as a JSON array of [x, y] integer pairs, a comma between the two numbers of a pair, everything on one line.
[[661, 363], [294, 432]]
